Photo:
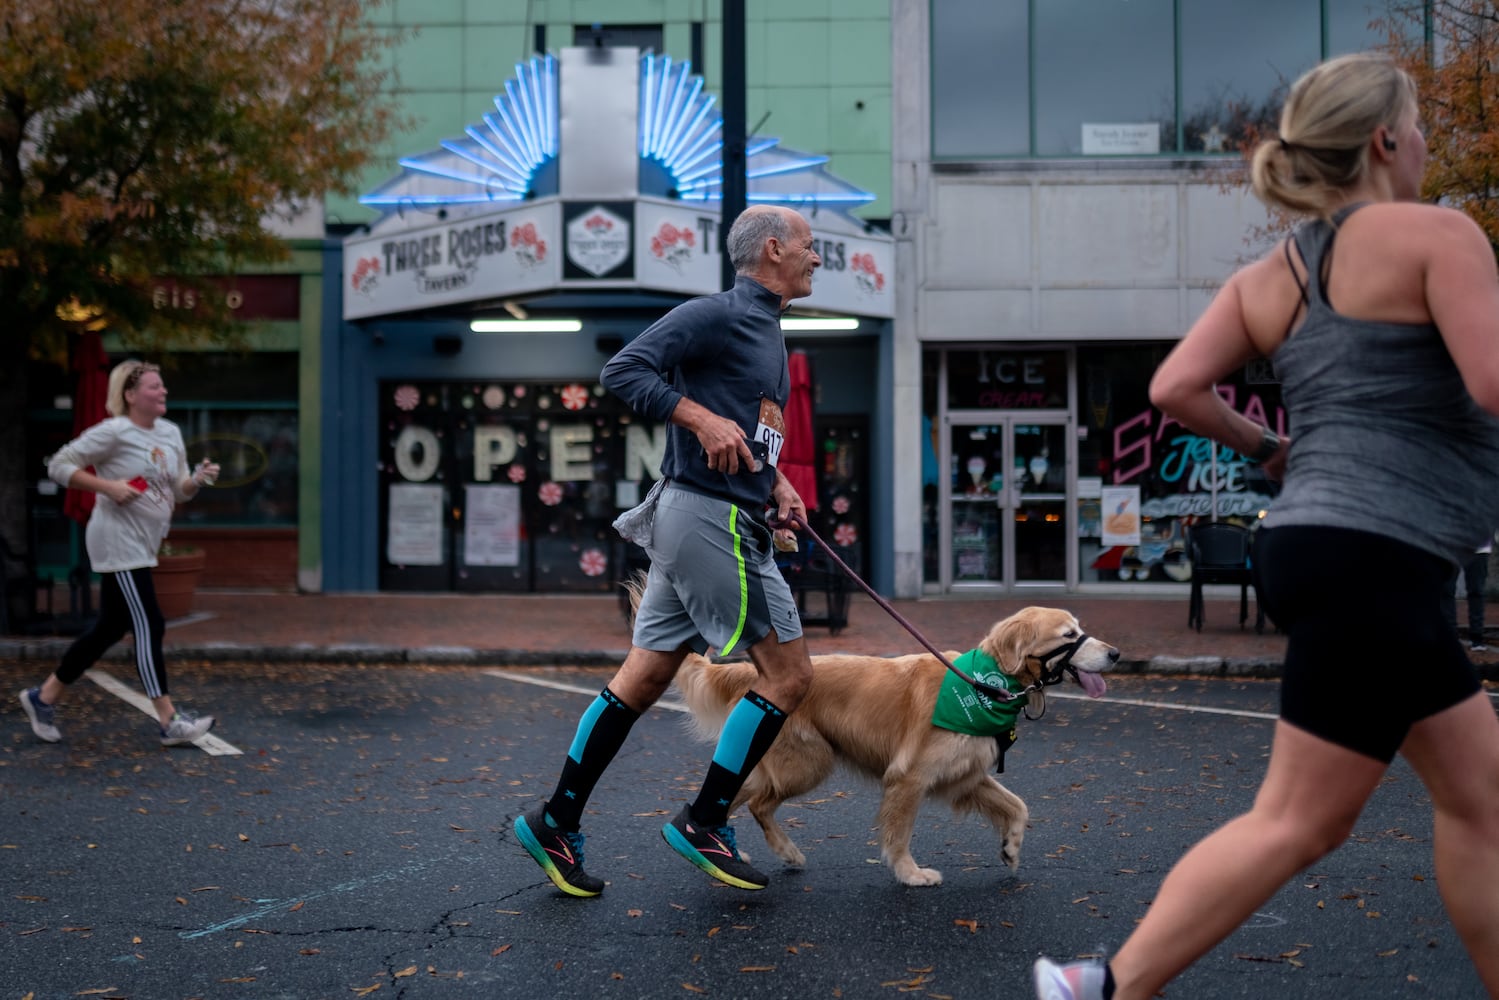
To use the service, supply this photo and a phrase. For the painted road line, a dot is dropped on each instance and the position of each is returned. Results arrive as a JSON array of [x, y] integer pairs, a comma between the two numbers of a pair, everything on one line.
[[669, 705], [679, 707], [208, 743]]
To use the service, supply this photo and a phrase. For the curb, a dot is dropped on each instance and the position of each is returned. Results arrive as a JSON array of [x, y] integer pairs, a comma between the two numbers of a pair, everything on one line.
[[40, 650]]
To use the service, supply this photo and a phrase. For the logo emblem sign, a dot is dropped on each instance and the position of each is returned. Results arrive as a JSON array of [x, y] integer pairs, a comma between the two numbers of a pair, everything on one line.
[[598, 241]]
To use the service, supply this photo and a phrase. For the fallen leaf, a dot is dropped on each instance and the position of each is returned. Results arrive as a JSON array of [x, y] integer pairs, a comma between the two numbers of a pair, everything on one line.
[[181, 900], [239, 979], [410, 970], [972, 925], [364, 991], [94, 993], [500, 950], [297, 907], [310, 951], [242, 837], [693, 989], [757, 968], [634, 913], [713, 931]]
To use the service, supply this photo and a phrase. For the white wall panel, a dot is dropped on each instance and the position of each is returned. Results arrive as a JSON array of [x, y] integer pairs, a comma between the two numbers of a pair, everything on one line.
[[1224, 229], [1092, 234], [976, 315], [1103, 313], [979, 236]]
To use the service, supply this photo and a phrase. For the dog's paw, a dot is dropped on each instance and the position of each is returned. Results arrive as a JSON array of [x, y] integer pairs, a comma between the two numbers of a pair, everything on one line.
[[909, 873], [1011, 856], [793, 857]]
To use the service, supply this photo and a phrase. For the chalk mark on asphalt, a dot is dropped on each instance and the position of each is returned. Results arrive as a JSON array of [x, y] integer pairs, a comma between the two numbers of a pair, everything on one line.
[[280, 905], [208, 743], [1135, 702]]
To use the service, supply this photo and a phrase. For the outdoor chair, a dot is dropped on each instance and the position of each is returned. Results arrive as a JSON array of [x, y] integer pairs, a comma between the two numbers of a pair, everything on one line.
[[1220, 554]]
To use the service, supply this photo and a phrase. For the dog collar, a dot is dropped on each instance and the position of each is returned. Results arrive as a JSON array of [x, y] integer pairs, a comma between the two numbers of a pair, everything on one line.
[[963, 708]]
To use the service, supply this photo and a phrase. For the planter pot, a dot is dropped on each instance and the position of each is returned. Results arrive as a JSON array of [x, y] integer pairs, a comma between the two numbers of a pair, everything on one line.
[[176, 580]]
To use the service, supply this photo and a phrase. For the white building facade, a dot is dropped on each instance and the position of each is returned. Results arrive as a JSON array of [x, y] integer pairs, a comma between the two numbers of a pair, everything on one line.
[[1065, 203]]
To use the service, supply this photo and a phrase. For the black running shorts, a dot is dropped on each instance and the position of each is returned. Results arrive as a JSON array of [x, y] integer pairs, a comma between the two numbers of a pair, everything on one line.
[[1370, 651]]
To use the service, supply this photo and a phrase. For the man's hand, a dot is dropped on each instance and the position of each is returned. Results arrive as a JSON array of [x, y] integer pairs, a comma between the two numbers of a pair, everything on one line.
[[787, 502], [723, 440]]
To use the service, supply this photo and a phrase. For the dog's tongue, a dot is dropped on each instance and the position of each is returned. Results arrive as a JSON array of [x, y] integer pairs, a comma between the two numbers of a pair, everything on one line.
[[1093, 684]]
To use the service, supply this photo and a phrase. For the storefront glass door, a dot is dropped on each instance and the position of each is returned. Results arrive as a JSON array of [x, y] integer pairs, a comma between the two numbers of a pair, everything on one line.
[[1007, 518]]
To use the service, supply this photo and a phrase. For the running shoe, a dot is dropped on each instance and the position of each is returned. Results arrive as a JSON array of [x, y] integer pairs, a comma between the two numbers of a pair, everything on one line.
[[184, 728], [712, 850], [43, 716], [558, 852], [1073, 981]]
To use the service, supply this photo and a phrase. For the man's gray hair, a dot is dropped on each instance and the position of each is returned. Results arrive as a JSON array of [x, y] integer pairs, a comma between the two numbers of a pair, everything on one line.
[[747, 236]]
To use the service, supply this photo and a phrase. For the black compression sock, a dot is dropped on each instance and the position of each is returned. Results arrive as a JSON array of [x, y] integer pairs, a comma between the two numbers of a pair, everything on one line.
[[750, 730], [601, 732]]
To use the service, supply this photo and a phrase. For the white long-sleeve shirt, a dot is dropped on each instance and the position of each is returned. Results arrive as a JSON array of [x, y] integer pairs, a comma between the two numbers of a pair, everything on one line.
[[126, 536]]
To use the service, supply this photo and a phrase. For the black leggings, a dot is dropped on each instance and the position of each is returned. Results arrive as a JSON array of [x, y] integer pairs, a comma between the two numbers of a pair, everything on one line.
[[127, 603], [1370, 652]]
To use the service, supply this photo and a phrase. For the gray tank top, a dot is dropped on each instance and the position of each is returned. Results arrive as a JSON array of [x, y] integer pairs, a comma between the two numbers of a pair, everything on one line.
[[1386, 438]]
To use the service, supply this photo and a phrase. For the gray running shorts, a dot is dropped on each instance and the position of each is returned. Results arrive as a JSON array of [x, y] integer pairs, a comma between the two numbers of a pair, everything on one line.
[[714, 583]]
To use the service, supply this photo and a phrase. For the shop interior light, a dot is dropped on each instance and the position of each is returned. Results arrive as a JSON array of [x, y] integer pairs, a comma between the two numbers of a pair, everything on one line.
[[802, 324], [525, 325]]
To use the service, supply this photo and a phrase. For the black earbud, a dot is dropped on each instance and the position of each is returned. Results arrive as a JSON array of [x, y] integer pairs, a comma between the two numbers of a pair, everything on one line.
[[1388, 143]]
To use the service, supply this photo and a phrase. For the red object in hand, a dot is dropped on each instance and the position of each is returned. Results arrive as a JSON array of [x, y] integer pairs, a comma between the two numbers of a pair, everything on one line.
[[139, 482]]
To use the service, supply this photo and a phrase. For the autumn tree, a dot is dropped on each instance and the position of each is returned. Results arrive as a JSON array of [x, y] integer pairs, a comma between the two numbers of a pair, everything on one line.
[[143, 139], [1456, 68]]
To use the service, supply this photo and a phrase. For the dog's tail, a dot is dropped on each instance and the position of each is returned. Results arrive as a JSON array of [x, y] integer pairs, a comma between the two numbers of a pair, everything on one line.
[[710, 691]]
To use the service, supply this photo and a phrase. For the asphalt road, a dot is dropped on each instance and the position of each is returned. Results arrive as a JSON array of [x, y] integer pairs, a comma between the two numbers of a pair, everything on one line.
[[353, 839]]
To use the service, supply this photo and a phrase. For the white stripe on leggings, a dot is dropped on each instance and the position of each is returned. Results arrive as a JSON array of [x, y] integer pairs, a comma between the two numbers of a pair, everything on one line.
[[147, 667]]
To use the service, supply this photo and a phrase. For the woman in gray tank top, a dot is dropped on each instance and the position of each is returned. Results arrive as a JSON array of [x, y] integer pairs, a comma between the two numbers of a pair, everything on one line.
[[1381, 317]]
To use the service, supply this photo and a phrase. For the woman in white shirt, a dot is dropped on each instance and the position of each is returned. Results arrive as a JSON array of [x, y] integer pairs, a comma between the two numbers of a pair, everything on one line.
[[141, 474]]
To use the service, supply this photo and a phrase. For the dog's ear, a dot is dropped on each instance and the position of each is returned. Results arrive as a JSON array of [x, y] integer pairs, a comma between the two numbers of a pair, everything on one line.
[[1008, 642]]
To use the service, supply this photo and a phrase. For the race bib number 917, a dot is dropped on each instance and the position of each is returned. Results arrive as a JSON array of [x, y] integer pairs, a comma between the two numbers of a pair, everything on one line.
[[771, 430]]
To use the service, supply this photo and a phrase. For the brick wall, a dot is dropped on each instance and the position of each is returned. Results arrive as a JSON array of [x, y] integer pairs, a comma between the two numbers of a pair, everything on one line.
[[250, 558]]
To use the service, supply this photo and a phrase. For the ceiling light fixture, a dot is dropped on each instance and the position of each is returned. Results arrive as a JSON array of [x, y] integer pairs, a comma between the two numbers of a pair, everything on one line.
[[802, 324], [525, 325]]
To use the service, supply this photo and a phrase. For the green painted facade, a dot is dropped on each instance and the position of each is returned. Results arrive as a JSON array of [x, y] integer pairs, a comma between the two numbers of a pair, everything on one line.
[[820, 69]]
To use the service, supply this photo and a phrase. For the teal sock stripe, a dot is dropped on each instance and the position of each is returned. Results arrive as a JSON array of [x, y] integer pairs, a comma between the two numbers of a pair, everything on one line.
[[585, 726], [738, 732]]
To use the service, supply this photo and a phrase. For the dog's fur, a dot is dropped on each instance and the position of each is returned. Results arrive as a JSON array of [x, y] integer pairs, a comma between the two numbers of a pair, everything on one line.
[[874, 716]]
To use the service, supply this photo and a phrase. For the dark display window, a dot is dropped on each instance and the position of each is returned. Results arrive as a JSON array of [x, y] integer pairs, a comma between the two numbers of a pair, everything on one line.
[[507, 486], [1182, 477]]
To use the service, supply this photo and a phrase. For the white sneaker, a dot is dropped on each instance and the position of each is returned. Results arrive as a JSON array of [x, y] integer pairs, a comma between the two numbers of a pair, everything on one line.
[[184, 729], [43, 718], [1053, 981]]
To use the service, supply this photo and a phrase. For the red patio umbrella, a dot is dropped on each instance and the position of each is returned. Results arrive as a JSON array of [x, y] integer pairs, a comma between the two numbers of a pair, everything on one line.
[[89, 398], [798, 452]]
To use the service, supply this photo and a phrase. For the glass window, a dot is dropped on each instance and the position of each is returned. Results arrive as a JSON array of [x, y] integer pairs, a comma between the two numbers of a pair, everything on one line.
[[980, 78], [240, 410], [1237, 62], [1182, 477], [256, 449], [1103, 74], [1350, 25], [1006, 380]]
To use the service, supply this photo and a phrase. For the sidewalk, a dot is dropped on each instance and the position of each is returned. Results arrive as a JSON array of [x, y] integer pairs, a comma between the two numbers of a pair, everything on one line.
[[1151, 632]]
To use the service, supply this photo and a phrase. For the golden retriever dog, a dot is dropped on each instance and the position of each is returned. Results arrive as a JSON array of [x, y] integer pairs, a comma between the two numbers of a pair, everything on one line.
[[873, 715]]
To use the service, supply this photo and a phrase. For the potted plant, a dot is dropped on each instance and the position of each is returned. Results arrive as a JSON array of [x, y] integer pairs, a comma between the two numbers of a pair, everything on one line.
[[175, 577]]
